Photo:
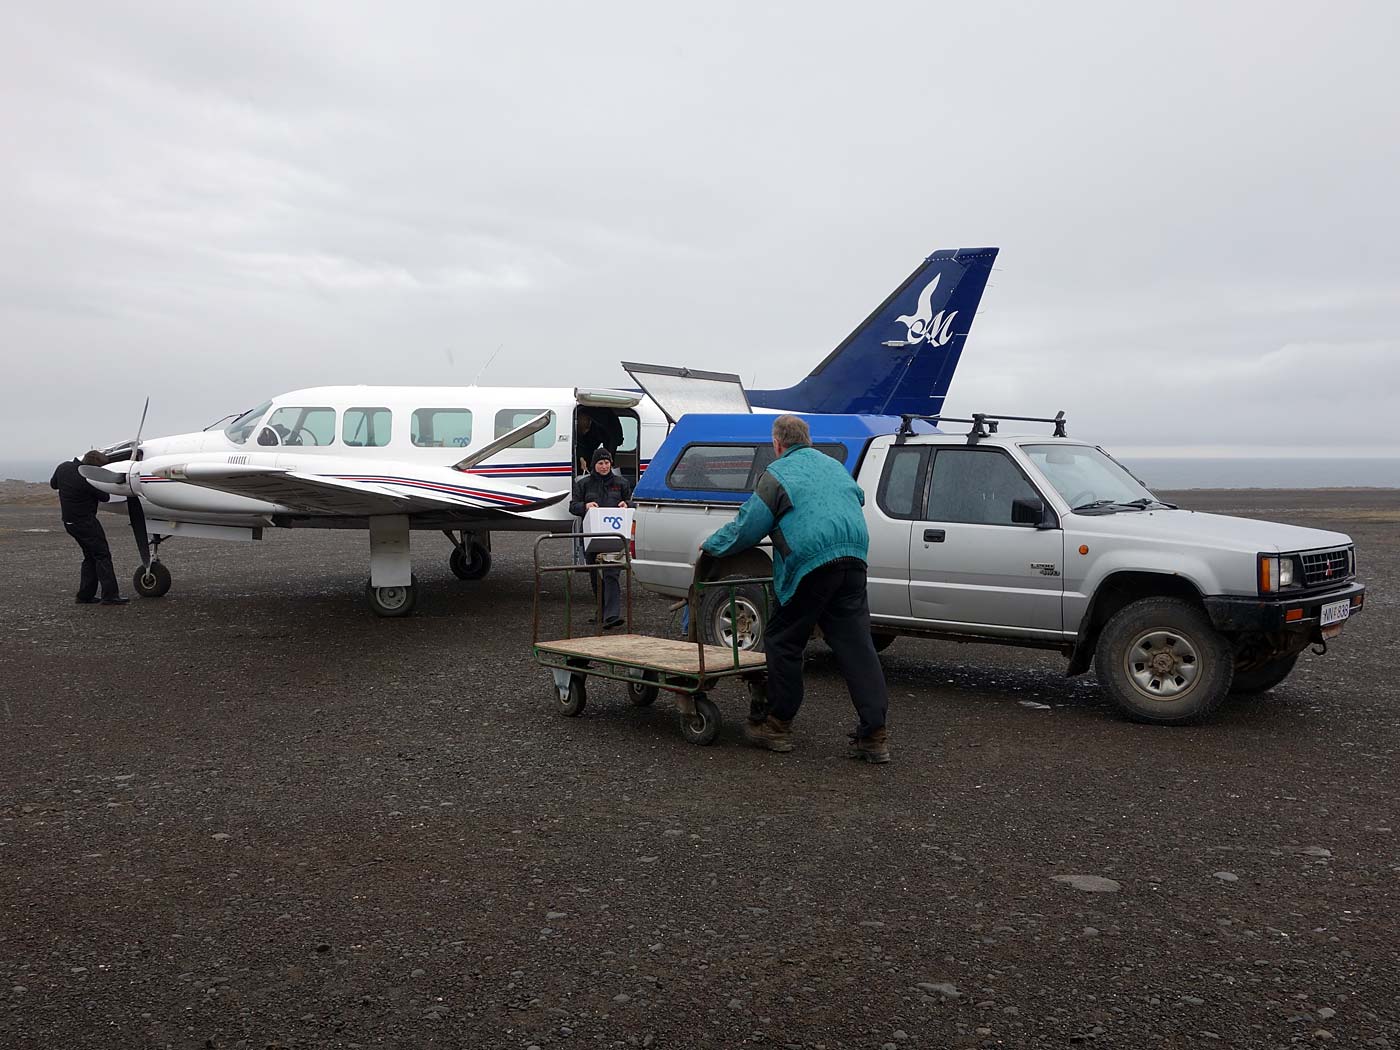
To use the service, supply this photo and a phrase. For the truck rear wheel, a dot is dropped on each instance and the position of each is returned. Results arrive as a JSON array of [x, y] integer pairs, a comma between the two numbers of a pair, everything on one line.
[[719, 622], [1264, 677], [1163, 662]]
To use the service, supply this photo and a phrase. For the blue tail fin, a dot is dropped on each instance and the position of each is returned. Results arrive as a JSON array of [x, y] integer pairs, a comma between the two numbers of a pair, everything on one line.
[[901, 358]]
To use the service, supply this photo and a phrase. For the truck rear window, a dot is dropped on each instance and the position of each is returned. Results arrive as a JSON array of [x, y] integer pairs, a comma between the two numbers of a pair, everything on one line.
[[729, 468]]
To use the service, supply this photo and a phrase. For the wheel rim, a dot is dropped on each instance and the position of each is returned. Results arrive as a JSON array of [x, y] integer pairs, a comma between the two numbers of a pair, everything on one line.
[[149, 581], [1162, 665], [697, 723], [747, 617], [391, 598]]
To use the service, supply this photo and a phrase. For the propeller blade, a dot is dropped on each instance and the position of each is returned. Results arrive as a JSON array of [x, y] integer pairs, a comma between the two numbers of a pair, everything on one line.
[[136, 445], [137, 516]]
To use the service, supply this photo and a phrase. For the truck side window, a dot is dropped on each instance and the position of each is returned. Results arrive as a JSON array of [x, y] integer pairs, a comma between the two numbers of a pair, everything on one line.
[[975, 487], [717, 468], [902, 485]]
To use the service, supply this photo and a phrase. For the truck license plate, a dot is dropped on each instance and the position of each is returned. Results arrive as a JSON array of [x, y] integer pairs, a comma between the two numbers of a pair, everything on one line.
[[1336, 612]]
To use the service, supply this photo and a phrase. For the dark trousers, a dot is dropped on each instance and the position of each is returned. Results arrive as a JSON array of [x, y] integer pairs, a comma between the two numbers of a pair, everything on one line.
[[97, 558], [612, 589], [833, 598]]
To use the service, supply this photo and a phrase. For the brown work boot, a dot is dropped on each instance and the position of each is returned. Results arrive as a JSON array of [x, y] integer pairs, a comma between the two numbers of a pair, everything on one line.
[[771, 733], [873, 748]]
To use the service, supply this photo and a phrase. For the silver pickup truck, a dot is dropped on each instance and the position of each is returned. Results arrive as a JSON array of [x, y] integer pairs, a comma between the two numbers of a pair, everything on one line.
[[1029, 540]]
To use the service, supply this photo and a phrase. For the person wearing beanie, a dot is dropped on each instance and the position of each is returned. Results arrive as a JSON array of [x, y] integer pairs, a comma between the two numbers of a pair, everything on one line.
[[602, 488]]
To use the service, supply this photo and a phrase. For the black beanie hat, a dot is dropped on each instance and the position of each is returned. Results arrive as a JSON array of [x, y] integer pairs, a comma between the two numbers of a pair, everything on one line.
[[600, 452]]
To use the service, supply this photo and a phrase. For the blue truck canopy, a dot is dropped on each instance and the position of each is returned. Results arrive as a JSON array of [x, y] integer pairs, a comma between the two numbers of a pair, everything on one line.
[[717, 458]]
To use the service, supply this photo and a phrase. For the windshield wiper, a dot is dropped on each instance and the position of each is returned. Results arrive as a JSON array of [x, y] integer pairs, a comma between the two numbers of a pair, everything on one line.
[[1146, 501], [1098, 504]]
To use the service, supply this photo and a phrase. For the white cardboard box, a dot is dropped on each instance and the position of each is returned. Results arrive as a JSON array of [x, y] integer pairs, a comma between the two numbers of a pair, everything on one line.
[[616, 520]]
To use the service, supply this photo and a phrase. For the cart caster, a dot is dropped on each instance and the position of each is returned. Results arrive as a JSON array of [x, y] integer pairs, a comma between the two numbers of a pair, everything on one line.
[[703, 726], [644, 690], [573, 697]]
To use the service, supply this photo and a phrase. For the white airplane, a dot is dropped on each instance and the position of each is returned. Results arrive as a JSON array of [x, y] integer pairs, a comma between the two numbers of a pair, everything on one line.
[[469, 461]]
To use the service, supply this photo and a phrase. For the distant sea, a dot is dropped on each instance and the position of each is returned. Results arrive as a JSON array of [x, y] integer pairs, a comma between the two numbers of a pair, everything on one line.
[[1211, 473], [1202, 473]]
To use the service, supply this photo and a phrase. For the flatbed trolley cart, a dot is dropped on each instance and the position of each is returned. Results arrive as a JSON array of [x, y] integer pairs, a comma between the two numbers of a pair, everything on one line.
[[646, 664]]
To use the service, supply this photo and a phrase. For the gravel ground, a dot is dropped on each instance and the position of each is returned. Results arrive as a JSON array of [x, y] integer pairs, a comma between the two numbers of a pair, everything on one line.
[[252, 815]]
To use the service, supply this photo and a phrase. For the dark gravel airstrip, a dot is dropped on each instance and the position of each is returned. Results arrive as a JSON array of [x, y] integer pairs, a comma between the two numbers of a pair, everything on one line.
[[252, 815]]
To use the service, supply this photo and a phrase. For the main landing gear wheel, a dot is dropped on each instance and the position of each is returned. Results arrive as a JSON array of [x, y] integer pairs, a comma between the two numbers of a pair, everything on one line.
[[392, 601], [469, 562], [151, 581], [703, 726]]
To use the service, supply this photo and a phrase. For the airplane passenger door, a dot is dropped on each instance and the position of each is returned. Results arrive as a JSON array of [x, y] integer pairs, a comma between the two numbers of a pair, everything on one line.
[[969, 564]]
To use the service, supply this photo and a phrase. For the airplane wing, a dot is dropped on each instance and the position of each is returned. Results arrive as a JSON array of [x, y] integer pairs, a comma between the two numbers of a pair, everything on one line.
[[360, 495]]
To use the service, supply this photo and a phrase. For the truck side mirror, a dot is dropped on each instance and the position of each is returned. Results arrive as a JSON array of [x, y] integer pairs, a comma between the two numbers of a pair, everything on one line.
[[1029, 512]]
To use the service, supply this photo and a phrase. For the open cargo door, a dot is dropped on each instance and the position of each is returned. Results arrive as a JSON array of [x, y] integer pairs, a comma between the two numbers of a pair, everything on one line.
[[677, 391]]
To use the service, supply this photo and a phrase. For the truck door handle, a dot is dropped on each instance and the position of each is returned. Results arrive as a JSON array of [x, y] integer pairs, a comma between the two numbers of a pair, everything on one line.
[[933, 535]]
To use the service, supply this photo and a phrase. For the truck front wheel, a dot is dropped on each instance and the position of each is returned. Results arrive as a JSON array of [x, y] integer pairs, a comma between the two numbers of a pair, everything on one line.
[[1265, 676], [1162, 661]]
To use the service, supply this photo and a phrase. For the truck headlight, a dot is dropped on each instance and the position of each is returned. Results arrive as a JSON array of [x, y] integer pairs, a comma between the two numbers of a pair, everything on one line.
[[1278, 572]]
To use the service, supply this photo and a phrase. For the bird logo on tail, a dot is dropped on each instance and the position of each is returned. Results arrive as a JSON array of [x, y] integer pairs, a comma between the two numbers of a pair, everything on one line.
[[924, 326]]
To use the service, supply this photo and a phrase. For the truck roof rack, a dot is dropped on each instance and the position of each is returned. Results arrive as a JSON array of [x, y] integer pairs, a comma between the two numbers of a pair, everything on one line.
[[983, 423]]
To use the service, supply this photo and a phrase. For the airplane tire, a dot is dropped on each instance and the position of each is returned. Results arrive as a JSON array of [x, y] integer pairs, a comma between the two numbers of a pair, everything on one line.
[[151, 581], [392, 601], [470, 563]]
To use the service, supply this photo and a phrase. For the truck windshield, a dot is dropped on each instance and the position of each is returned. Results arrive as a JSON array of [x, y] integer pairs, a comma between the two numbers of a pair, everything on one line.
[[1087, 478], [241, 427]]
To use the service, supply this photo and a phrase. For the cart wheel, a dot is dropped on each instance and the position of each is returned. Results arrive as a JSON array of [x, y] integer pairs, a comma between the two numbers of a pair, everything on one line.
[[643, 691], [572, 700], [703, 726]]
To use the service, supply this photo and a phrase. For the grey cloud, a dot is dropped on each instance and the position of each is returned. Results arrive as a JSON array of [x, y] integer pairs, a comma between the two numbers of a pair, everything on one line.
[[209, 205]]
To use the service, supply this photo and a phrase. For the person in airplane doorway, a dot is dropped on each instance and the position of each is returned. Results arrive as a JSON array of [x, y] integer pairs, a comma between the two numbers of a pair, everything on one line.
[[78, 502], [599, 427], [602, 488], [811, 507]]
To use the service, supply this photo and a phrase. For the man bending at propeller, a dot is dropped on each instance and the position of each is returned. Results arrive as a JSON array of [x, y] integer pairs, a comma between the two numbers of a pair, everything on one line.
[[78, 502]]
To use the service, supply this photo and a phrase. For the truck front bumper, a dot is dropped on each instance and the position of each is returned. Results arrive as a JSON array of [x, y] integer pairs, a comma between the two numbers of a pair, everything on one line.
[[1300, 613]]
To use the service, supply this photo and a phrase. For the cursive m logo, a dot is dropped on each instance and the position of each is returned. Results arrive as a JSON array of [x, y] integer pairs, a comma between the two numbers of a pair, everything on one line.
[[612, 521], [924, 326]]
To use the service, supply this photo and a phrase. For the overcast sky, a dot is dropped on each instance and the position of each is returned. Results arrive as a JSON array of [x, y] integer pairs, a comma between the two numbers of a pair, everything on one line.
[[213, 203]]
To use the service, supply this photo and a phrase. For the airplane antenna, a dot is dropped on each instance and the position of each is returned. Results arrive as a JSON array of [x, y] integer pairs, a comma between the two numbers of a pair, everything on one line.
[[486, 365]]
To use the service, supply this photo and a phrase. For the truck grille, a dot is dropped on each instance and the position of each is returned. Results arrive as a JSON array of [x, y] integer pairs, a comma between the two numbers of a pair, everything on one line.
[[1323, 567]]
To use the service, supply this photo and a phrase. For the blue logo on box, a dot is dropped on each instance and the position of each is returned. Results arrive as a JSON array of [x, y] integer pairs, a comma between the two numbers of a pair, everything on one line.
[[612, 521]]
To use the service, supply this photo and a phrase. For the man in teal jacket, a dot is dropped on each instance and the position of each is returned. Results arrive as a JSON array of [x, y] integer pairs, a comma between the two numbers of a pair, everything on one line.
[[811, 507]]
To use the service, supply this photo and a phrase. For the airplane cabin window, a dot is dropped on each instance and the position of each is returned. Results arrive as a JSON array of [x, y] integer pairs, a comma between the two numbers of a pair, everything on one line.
[[304, 427], [441, 427], [507, 419], [631, 432], [242, 428], [366, 427]]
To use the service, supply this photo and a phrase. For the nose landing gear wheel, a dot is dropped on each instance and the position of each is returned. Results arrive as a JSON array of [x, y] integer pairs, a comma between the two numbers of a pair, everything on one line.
[[471, 562], [151, 581], [392, 601]]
